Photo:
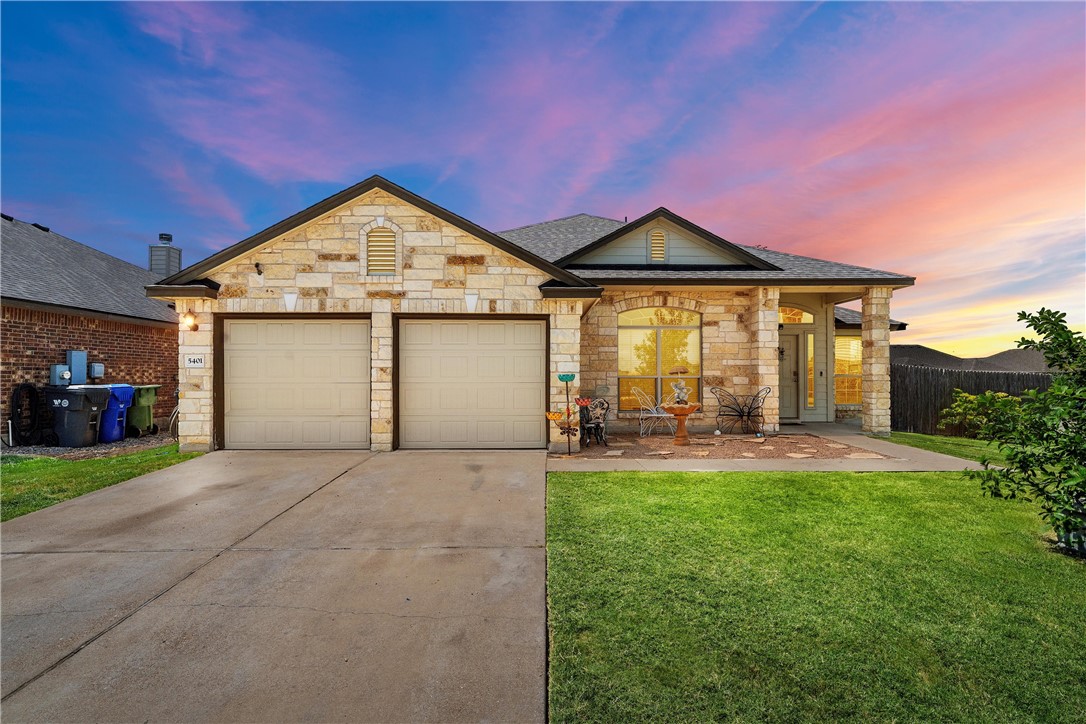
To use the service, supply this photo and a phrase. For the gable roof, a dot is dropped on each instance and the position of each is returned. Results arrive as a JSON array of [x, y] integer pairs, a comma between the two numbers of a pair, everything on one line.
[[38, 265], [194, 273], [845, 318], [563, 240]]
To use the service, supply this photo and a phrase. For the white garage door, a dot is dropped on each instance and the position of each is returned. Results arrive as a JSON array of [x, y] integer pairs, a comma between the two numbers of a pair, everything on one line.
[[472, 384], [296, 384]]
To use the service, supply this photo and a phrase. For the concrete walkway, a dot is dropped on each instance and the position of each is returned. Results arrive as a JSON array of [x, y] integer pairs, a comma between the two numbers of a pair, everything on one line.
[[284, 586], [899, 458]]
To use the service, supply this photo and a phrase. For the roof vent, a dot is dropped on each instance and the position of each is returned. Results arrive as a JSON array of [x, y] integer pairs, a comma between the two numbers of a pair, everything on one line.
[[39, 226], [163, 258]]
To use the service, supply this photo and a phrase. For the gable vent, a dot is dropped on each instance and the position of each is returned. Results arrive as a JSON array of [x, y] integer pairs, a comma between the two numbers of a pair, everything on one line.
[[658, 245], [381, 251]]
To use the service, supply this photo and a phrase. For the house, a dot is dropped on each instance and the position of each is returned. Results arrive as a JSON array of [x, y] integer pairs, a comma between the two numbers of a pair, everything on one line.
[[58, 295], [377, 319]]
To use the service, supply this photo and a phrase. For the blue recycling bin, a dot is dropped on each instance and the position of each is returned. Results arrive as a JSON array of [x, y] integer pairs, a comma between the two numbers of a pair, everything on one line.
[[111, 429]]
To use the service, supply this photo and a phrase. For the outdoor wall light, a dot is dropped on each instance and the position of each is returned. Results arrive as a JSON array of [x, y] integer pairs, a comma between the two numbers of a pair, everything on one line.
[[259, 269], [189, 320]]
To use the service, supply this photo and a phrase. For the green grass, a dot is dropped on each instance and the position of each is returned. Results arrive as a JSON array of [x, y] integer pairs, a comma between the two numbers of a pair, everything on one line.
[[28, 484], [959, 447], [807, 597]]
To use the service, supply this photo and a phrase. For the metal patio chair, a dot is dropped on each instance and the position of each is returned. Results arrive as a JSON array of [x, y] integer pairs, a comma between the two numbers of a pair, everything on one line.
[[652, 414], [744, 411], [594, 422]]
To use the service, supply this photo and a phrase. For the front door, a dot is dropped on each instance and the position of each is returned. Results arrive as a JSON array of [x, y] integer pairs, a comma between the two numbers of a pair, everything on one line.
[[789, 372]]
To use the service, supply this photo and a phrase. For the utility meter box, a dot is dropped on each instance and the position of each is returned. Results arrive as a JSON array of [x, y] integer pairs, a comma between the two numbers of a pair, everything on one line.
[[59, 375]]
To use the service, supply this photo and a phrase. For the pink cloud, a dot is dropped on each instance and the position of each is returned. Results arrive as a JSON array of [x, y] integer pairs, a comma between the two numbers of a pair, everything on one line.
[[202, 196]]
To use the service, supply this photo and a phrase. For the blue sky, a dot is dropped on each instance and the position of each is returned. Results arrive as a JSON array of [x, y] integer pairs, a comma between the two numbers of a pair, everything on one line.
[[943, 140]]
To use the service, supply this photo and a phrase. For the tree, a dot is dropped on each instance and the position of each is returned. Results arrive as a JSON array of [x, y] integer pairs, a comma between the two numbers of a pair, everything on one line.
[[1045, 444]]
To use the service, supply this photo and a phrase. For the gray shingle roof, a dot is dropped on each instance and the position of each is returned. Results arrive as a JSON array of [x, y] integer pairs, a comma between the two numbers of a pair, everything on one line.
[[47, 268], [845, 317], [561, 237]]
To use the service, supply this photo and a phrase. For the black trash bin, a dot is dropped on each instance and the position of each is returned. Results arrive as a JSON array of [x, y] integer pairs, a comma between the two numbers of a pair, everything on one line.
[[77, 412]]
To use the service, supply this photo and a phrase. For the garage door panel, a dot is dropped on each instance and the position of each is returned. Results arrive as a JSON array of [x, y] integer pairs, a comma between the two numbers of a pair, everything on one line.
[[472, 384], [296, 384]]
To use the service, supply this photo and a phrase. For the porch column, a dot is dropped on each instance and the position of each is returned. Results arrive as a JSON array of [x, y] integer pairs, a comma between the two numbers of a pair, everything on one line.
[[876, 360], [195, 384], [381, 376], [764, 358], [565, 357]]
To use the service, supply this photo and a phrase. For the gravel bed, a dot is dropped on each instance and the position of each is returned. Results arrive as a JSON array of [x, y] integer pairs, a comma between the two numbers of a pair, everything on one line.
[[726, 447], [127, 445]]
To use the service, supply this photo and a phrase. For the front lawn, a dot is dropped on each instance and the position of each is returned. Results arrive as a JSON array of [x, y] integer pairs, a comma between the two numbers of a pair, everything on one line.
[[959, 447], [807, 597], [29, 484]]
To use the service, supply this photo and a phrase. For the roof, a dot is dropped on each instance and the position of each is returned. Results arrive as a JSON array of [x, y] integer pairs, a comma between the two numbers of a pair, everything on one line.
[[38, 265], [194, 273], [561, 239], [845, 318]]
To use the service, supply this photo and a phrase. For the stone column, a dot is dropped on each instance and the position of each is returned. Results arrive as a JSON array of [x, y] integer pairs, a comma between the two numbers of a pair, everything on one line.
[[381, 376], [195, 384], [876, 360], [764, 357], [565, 353]]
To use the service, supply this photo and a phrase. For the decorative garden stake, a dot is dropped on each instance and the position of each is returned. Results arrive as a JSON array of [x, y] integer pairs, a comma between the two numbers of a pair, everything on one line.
[[566, 426]]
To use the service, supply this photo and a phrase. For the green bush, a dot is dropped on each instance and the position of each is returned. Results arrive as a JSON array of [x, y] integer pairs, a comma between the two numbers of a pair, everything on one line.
[[976, 415], [1045, 444]]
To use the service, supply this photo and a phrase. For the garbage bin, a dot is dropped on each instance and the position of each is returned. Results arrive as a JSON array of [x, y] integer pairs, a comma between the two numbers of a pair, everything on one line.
[[141, 418], [115, 414], [77, 412]]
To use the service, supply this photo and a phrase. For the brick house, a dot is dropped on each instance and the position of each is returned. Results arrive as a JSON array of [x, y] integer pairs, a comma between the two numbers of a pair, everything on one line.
[[377, 319], [57, 295]]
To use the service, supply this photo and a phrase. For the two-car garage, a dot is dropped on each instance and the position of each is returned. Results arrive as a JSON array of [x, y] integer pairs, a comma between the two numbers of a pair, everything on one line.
[[304, 383]]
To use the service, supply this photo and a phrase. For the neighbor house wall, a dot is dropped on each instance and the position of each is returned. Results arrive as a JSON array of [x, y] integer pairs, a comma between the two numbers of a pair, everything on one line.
[[323, 263], [133, 353]]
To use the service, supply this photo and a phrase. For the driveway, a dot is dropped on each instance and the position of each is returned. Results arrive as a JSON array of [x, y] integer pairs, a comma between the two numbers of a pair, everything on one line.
[[284, 586]]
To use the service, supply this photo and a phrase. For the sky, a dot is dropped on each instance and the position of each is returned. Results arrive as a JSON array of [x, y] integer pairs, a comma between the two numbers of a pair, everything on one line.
[[946, 141]]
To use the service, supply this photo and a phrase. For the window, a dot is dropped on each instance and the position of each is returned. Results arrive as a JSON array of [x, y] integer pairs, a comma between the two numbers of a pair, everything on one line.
[[791, 315], [381, 251], [658, 245], [810, 371], [847, 371], [657, 346]]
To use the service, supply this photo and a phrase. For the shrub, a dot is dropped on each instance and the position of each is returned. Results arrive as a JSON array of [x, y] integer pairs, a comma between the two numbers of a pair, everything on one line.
[[1045, 445], [982, 414]]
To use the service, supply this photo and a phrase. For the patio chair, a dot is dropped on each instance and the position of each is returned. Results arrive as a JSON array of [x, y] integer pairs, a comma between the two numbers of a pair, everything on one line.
[[594, 422], [744, 411], [652, 414]]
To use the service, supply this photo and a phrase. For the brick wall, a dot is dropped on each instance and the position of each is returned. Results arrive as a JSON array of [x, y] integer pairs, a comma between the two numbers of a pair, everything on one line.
[[31, 340]]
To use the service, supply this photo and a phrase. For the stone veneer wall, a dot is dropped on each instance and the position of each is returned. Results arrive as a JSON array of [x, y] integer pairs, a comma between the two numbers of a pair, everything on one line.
[[738, 346], [875, 361], [323, 264]]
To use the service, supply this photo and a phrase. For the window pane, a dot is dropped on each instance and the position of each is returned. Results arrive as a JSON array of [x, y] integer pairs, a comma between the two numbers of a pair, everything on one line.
[[637, 352], [847, 353], [626, 399], [849, 390], [659, 317], [810, 371], [680, 351], [791, 315]]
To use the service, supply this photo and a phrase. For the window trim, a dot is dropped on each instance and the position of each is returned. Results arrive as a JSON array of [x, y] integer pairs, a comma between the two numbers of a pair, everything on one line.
[[660, 377]]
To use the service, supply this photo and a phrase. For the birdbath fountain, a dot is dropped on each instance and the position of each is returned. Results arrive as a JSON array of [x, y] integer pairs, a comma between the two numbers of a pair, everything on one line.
[[680, 410]]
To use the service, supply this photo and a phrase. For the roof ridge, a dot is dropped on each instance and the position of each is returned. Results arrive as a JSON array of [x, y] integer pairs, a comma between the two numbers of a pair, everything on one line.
[[563, 218], [80, 243]]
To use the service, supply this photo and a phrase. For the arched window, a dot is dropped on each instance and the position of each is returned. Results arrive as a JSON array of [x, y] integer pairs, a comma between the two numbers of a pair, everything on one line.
[[381, 251], [657, 346], [791, 315], [658, 245]]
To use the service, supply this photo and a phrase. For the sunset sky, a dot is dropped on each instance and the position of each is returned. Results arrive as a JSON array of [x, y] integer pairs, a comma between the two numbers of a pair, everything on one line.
[[944, 141]]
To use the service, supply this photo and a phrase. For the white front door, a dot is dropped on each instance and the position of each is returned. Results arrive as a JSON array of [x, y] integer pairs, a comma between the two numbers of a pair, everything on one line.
[[789, 376]]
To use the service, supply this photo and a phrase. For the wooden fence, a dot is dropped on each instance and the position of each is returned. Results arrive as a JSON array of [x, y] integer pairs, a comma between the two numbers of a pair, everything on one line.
[[918, 394]]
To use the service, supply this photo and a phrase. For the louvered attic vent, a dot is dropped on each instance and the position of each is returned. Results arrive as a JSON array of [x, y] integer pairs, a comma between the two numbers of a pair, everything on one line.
[[658, 245], [381, 251]]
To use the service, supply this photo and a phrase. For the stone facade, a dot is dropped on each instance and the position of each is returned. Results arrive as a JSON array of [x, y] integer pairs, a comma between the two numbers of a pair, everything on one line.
[[320, 267], [738, 346], [875, 334]]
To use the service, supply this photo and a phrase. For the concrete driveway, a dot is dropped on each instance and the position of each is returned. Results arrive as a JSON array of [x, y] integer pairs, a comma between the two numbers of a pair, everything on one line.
[[284, 586]]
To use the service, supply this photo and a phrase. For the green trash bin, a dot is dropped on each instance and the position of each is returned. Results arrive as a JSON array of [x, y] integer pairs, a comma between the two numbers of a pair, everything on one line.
[[141, 418]]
